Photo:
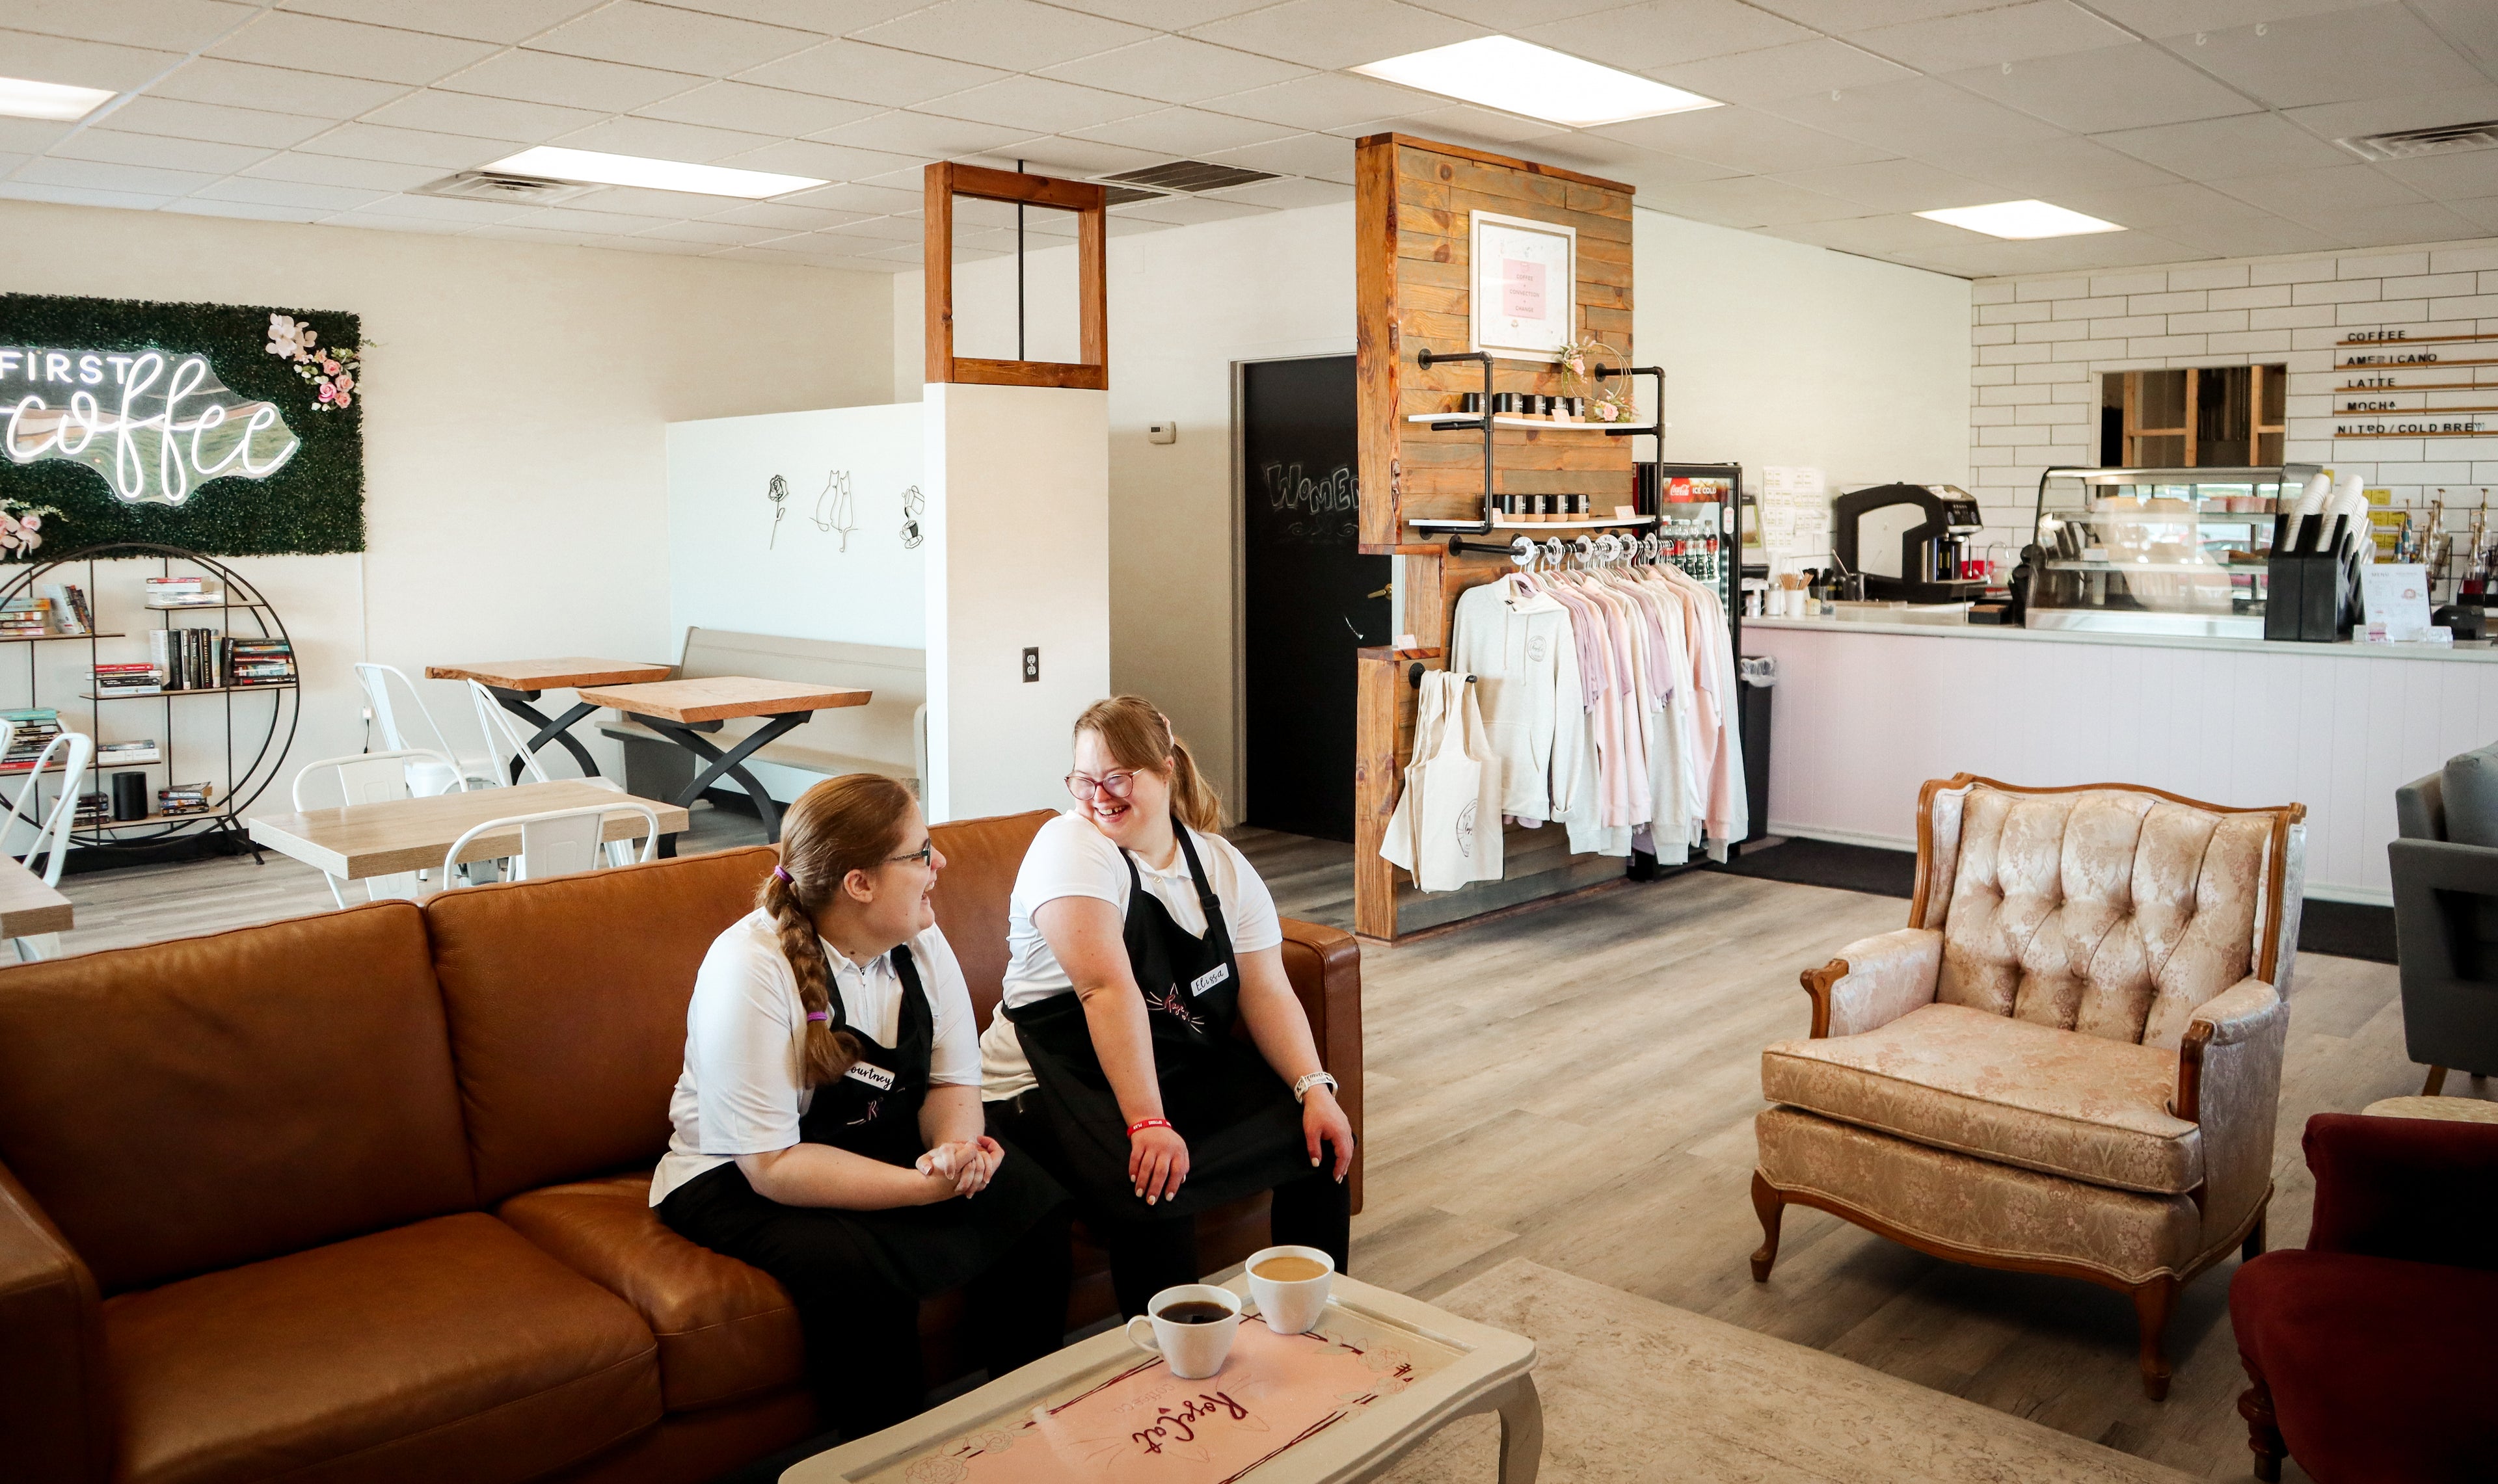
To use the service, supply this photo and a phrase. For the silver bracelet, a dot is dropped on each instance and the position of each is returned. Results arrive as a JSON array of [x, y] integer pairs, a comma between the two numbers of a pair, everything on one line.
[[1301, 1089]]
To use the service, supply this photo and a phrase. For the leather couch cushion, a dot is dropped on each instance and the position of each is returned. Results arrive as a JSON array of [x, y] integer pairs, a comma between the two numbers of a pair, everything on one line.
[[2468, 796], [567, 999], [449, 1349], [1981, 1084], [2107, 911], [725, 1330], [211, 1102], [981, 859]]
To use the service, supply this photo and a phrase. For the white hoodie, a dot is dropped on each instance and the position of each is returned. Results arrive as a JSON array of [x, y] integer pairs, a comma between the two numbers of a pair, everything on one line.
[[1524, 659]]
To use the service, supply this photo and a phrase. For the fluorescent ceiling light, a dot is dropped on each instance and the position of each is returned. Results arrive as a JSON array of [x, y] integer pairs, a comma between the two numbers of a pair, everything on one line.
[[596, 169], [20, 98], [1516, 76], [2020, 219]]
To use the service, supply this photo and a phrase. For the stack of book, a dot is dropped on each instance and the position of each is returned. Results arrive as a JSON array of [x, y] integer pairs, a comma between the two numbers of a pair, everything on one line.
[[259, 662], [94, 810], [128, 754], [188, 658], [183, 592], [70, 614], [177, 798], [25, 617], [33, 731], [127, 680]]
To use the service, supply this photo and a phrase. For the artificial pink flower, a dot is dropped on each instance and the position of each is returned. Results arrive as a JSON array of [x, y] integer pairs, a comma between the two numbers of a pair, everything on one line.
[[346, 381], [32, 522], [329, 367], [327, 392], [8, 522], [344, 398]]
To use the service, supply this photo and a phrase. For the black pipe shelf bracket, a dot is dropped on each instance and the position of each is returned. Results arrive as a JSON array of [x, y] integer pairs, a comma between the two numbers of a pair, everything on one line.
[[1414, 678], [1427, 359], [1655, 426]]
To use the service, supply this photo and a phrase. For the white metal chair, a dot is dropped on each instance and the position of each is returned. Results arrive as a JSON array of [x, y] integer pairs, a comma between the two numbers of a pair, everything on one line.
[[425, 779], [559, 842], [51, 831], [378, 777], [504, 738]]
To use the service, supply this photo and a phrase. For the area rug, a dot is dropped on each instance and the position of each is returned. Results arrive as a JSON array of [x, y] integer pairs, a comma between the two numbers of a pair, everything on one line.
[[1636, 1390]]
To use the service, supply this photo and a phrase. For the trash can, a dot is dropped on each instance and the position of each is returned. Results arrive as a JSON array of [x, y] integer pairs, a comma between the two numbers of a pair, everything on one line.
[[1756, 675]]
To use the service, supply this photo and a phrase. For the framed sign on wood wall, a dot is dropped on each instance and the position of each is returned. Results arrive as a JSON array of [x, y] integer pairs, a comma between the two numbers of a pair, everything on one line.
[[1525, 276]]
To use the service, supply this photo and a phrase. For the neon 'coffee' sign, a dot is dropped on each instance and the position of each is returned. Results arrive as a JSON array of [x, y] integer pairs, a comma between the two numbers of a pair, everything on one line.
[[155, 425]]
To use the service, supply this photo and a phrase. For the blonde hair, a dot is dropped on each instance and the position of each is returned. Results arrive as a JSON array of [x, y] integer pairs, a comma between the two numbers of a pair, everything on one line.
[[841, 825], [1137, 736]]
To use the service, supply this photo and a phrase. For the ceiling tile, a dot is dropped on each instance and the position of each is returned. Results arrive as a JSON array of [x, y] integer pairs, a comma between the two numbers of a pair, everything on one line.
[[2243, 144], [336, 169], [176, 25], [788, 218], [2337, 58], [443, 111], [277, 89], [2472, 24], [758, 110], [1836, 16], [1462, 124], [1165, 15], [871, 200], [1661, 33], [1743, 138], [1012, 34], [101, 176], [31, 136], [585, 217], [408, 147], [2248, 238], [1988, 37], [244, 210], [376, 220], [879, 228], [1324, 101], [485, 20], [1037, 104], [1187, 210], [1641, 169], [1188, 131], [825, 162], [2317, 196], [2444, 176], [1175, 68], [1070, 158], [1328, 34], [1750, 201], [158, 150], [569, 81], [669, 205], [80, 196], [1815, 66], [2111, 87], [443, 209], [1915, 116], [2182, 18], [1512, 15], [833, 18], [349, 48], [2401, 110], [289, 193], [2121, 249], [1288, 194], [2424, 221], [2048, 168], [214, 122], [2166, 207], [905, 131], [847, 69], [1894, 185], [1891, 233], [659, 140], [723, 233], [640, 34], [2482, 211], [82, 64], [1320, 156]]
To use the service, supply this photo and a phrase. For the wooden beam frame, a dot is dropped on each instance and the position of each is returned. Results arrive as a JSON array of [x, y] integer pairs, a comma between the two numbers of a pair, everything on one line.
[[942, 182]]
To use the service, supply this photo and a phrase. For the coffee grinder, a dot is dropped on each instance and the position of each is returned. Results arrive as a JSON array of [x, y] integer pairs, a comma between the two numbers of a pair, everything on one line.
[[1909, 541]]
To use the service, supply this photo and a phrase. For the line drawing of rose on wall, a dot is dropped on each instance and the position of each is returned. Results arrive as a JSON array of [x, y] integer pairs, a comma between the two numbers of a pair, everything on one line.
[[330, 368]]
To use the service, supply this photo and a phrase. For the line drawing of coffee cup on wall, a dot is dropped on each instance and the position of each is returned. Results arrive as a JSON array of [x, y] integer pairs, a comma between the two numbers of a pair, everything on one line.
[[912, 503], [835, 511]]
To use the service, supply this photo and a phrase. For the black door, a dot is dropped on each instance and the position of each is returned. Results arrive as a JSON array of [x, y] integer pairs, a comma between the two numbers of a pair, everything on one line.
[[1311, 597]]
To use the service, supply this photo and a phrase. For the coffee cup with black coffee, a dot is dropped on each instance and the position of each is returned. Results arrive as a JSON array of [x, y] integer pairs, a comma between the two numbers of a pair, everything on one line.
[[1190, 1326], [1291, 1286]]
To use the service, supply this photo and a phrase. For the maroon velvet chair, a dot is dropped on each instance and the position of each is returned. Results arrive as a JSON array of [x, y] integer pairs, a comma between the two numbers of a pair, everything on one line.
[[2370, 1350]]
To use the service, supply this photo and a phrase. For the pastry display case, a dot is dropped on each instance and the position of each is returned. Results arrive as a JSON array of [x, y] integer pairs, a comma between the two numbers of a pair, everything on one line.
[[2155, 550]]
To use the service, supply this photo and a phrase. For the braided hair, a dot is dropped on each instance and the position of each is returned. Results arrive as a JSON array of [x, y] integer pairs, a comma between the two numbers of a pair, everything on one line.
[[838, 826]]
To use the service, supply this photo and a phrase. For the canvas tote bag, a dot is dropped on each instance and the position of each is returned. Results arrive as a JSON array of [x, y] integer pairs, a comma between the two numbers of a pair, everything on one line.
[[1446, 825], [1399, 847]]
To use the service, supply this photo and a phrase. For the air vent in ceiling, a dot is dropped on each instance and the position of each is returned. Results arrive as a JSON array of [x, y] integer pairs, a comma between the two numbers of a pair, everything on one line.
[[2411, 144], [1122, 195], [1189, 176], [494, 185]]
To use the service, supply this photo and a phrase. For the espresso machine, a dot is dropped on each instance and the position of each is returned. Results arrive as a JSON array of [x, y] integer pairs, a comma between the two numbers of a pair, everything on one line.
[[1907, 541]]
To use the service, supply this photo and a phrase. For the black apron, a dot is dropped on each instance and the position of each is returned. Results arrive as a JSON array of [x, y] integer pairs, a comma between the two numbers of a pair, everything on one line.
[[874, 1111], [1242, 1125]]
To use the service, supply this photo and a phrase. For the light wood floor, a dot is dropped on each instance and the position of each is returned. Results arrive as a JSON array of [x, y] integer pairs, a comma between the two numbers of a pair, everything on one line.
[[1576, 1085]]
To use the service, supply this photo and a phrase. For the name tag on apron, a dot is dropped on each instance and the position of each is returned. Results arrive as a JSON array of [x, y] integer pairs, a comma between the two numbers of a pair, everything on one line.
[[875, 1076], [1209, 979]]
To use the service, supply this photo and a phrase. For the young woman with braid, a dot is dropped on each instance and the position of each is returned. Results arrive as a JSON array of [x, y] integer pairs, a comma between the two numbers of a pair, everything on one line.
[[828, 1124]]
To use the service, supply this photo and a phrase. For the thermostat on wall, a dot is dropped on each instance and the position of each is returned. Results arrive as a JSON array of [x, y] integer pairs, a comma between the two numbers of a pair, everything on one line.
[[1162, 432]]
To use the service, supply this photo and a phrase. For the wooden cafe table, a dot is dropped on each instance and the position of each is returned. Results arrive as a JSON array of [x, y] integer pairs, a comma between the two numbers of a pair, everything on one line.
[[514, 683], [682, 710], [399, 835], [28, 908]]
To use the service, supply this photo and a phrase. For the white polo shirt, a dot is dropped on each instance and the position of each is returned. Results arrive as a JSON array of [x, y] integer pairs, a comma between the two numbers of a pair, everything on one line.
[[1070, 858], [739, 1093]]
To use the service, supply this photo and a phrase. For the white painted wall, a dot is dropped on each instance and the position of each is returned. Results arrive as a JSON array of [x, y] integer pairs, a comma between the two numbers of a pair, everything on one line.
[[518, 396], [1018, 555], [1777, 353]]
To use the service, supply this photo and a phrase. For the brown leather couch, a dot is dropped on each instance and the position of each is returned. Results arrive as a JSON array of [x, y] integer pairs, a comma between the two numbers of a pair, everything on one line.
[[362, 1196]]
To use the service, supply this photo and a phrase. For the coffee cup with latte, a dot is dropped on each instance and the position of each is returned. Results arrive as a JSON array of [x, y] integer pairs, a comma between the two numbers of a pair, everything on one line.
[[1291, 1286]]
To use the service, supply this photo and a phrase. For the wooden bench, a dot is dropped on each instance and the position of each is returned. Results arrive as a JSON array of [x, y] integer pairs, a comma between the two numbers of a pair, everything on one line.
[[888, 736]]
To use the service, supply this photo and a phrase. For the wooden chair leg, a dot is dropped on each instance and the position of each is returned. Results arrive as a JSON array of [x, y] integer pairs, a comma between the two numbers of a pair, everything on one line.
[[2436, 1084], [2153, 1303], [2254, 1247], [2263, 1432], [1770, 1206]]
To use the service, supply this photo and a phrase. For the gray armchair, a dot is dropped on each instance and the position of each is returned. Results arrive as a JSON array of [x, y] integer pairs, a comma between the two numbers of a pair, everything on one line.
[[2444, 867]]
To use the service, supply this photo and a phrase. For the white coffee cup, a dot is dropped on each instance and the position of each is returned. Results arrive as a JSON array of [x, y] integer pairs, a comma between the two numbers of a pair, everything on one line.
[[1292, 1308], [1194, 1351]]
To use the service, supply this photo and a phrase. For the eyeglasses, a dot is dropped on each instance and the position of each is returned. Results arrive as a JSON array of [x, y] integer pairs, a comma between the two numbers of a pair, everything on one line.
[[1115, 783], [921, 855]]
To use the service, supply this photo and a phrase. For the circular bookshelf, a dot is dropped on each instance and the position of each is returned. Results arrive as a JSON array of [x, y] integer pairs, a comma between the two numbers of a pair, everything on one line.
[[243, 744]]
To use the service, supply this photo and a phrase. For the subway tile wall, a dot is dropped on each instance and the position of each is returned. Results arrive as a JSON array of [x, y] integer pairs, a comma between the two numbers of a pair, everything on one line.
[[2042, 344]]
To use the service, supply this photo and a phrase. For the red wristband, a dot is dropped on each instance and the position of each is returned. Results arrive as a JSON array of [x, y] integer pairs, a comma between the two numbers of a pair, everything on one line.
[[1148, 1124]]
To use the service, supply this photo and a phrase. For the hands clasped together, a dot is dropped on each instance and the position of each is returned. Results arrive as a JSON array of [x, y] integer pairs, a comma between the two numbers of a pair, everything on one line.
[[962, 1168]]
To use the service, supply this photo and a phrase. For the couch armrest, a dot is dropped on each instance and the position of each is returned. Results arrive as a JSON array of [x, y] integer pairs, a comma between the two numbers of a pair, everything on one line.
[[2418, 1190], [1325, 965], [54, 1411], [2228, 1081], [1875, 981]]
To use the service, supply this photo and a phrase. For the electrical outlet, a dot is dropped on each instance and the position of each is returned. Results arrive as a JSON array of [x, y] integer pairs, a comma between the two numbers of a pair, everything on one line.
[[1031, 665]]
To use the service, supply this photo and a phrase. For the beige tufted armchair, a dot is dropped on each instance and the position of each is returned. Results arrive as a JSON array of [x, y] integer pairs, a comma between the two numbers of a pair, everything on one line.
[[2067, 1061]]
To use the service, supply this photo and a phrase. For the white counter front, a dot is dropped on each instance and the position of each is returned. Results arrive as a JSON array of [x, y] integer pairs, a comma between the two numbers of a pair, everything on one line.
[[1865, 712]]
